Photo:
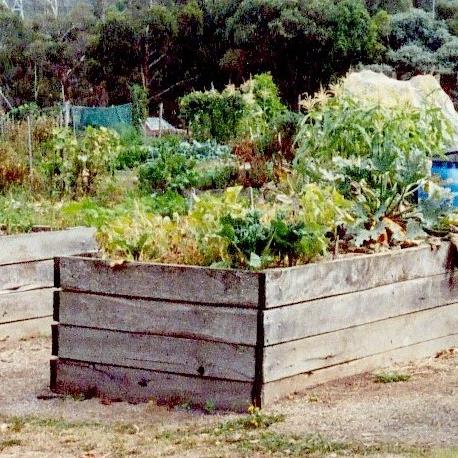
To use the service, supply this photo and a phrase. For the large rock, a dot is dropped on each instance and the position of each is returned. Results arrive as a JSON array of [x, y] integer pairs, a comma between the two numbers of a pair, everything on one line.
[[420, 91]]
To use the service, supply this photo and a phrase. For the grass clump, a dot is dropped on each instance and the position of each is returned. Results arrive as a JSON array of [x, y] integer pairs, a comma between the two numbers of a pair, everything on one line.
[[9, 443], [391, 377], [256, 419], [270, 443]]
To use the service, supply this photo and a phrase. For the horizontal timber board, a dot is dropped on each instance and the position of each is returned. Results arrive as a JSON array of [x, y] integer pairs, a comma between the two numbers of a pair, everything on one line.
[[312, 353], [223, 324], [137, 385], [273, 391], [345, 275], [25, 305], [26, 275], [46, 245], [159, 353], [333, 313], [158, 281], [26, 328]]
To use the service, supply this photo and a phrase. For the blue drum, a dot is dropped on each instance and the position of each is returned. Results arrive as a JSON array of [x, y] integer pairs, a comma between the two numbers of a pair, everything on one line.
[[447, 170]]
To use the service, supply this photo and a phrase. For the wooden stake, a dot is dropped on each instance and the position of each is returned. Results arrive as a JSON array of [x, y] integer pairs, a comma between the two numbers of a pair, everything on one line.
[[29, 131], [161, 113]]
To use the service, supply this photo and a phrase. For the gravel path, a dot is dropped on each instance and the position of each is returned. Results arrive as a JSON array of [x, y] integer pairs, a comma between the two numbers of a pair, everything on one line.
[[422, 411]]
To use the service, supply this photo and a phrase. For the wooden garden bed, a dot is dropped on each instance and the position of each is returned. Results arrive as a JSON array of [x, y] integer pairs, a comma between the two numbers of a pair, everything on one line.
[[189, 334], [27, 277]]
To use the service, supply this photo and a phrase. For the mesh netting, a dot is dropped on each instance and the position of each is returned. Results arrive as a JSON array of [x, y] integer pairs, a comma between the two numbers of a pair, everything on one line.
[[112, 117]]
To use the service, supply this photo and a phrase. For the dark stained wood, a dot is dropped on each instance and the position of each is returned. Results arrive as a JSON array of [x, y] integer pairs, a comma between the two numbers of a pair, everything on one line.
[[157, 281], [160, 353], [140, 385], [217, 323]]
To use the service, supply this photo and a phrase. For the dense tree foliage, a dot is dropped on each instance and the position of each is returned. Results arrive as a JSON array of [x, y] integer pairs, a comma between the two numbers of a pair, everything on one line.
[[95, 56]]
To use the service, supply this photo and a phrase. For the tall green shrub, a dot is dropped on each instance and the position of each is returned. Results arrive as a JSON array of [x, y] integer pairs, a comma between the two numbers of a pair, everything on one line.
[[246, 111], [139, 97]]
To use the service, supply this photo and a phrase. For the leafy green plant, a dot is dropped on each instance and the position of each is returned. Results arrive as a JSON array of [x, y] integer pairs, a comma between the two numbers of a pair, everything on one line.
[[167, 204], [216, 174], [139, 97], [133, 149], [246, 111], [74, 165], [248, 239], [263, 106], [168, 170], [377, 156], [212, 114], [21, 211]]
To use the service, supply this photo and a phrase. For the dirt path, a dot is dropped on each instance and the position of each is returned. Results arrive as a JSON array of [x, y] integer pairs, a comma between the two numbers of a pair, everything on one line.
[[355, 416]]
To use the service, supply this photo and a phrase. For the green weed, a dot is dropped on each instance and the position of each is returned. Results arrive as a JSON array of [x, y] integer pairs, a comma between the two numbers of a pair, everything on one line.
[[391, 377]]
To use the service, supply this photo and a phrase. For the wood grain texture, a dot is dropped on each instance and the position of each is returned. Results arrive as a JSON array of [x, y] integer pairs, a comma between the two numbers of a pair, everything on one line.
[[34, 274], [157, 281], [27, 328], [26, 305], [355, 273], [222, 324], [160, 353], [329, 314], [276, 390], [46, 245], [139, 385], [312, 353]]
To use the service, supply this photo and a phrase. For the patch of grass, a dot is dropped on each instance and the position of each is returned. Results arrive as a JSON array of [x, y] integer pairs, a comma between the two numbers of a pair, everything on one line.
[[445, 453], [256, 419], [60, 423], [209, 406], [16, 424], [391, 377], [270, 443], [126, 428], [9, 443]]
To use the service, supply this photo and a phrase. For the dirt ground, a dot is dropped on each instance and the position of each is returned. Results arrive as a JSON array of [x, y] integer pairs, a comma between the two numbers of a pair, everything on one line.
[[357, 416]]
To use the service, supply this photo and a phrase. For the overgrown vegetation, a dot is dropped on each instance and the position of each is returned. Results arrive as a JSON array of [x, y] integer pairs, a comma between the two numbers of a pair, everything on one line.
[[285, 189]]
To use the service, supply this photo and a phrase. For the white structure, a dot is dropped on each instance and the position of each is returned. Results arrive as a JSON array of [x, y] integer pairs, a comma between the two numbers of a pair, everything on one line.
[[420, 91], [53, 7], [17, 6]]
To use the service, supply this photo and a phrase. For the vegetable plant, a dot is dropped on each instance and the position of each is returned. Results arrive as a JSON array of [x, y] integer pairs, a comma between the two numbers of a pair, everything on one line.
[[377, 156]]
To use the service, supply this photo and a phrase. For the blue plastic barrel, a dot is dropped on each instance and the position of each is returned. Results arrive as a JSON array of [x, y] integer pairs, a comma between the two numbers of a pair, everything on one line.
[[447, 170]]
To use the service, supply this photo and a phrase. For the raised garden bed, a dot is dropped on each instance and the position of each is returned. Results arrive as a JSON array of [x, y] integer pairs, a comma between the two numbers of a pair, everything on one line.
[[188, 334], [27, 277]]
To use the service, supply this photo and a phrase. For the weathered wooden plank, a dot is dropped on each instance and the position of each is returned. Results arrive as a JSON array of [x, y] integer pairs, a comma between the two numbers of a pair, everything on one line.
[[157, 281], [223, 324], [26, 328], [273, 391], [305, 355], [348, 274], [166, 354], [26, 274], [26, 305], [138, 385], [46, 245], [315, 317]]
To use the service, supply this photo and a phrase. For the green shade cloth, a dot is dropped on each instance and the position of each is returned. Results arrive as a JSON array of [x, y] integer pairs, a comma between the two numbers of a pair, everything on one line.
[[112, 117]]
